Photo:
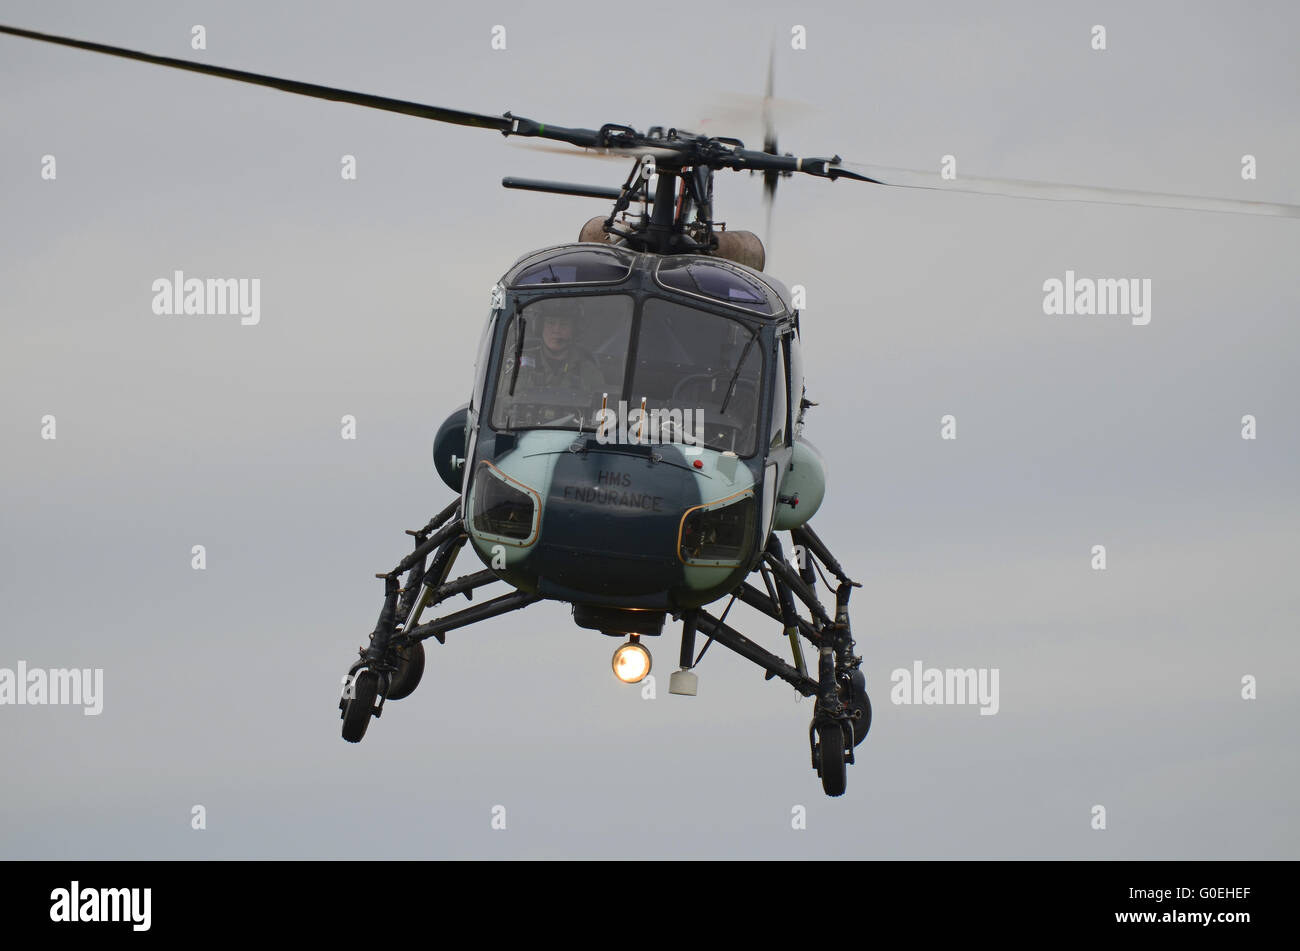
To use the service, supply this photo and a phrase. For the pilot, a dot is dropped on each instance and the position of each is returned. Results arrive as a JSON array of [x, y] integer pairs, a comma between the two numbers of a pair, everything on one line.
[[559, 364]]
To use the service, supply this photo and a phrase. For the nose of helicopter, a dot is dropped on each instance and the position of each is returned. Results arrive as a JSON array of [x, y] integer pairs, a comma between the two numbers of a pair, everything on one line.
[[610, 521], [655, 527]]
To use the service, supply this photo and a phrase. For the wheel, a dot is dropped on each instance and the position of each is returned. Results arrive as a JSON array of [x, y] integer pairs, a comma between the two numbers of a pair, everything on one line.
[[410, 668], [830, 758], [859, 706], [356, 715], [860, 712]]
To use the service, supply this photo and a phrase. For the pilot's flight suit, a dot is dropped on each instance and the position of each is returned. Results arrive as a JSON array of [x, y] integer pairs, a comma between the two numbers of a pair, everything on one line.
[[577, 372]]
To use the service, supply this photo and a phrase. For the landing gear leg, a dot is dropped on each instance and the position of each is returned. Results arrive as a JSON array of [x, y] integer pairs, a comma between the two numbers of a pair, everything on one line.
[[391, 667], [842, 712], [368, 679], [831, 731]]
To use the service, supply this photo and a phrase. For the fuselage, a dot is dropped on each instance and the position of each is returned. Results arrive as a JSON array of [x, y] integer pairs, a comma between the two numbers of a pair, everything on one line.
[[632, 438]]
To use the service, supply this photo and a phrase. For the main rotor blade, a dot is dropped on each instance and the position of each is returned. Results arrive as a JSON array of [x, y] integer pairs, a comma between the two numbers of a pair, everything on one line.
[[617, 154], [769, 125], [1050, 191], [437, 113]]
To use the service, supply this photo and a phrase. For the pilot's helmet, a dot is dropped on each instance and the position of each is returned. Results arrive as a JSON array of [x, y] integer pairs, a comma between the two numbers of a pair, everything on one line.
[[562, 319]]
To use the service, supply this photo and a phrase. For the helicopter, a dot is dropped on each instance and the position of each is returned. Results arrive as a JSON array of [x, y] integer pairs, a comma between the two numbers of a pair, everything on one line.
[[633, 444]]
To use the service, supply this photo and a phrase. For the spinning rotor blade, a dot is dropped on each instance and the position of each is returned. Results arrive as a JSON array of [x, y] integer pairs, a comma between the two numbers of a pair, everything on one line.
[[769, 127], [770, 178], [1051, 191], [743, 112]]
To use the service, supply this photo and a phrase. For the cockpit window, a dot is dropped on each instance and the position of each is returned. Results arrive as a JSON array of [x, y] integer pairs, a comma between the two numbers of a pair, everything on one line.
[[712, 366], [585, 266], [708, 278], [699, 373], [561, 355]]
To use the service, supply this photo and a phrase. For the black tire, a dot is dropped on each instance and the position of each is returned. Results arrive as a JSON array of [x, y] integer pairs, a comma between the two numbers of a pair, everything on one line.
[[356, 715], [830, 759], [410, 668]]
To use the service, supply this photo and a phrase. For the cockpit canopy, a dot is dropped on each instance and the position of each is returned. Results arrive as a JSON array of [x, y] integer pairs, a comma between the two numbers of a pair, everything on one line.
[[594, 329], [716, 280], [710, 278], [589, 264]]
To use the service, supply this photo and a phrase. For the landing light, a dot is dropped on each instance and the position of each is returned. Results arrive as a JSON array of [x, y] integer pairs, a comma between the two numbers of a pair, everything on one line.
[[631, 662]]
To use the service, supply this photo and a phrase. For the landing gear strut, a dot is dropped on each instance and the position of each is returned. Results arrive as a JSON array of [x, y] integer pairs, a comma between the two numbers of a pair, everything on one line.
[[391, 667], [842, 712]]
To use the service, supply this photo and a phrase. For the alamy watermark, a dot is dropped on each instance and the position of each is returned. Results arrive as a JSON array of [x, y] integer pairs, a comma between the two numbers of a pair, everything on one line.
[[948, 685], [211, 297], [645, 427], [75, 904], [1100, 297], [60, 686]]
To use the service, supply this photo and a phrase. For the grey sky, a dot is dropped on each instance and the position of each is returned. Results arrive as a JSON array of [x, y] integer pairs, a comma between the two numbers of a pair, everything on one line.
[[1118, 688]]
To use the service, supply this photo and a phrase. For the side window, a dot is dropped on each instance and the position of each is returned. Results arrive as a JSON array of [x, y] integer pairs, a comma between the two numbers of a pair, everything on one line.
[[780, 399], [796, 382], [481, 361]]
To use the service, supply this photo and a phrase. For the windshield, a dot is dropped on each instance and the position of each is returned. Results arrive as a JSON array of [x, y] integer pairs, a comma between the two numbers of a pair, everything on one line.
[[698, 373]]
